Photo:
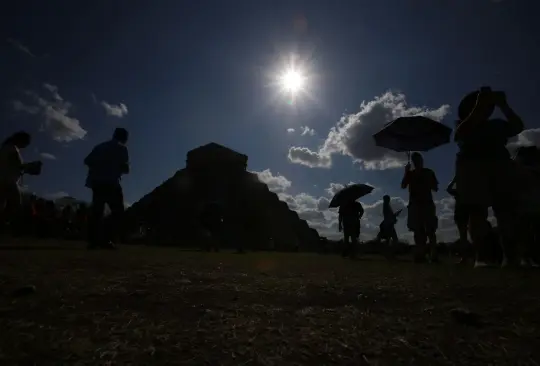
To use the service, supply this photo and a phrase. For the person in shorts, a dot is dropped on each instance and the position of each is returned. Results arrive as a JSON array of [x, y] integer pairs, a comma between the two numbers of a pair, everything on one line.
[[485, 172], [422, 216]]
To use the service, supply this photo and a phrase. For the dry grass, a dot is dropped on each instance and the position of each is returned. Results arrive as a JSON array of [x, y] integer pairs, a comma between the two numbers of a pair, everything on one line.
[[163, 306]]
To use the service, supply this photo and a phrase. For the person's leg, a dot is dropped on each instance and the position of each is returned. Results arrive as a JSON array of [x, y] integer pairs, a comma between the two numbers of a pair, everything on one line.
[[96, 217], [346, 242], [432, 223], [115, 200], [354, 241], [479, 230], [420, 238], [13, 207]]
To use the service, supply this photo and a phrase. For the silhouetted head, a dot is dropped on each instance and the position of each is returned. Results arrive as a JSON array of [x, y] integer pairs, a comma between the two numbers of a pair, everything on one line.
[[467, 105], [20, 139], [121, 135], [417, 160], [386, 198]]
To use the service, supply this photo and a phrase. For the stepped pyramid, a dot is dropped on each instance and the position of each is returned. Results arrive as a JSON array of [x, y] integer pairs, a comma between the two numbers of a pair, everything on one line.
[[215, 173]]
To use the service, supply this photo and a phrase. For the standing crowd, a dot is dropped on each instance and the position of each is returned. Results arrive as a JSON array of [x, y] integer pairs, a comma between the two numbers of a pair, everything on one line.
[[485, 176]]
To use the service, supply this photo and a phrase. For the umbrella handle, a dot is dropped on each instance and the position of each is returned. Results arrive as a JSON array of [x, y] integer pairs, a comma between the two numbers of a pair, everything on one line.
[[409, 156]]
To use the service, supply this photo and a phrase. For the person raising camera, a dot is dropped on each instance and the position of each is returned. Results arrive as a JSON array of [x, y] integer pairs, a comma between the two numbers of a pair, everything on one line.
[[485, 174]]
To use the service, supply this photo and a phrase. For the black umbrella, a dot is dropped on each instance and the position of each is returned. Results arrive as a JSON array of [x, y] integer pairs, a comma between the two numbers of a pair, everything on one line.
[[416, 133], [350, 193]]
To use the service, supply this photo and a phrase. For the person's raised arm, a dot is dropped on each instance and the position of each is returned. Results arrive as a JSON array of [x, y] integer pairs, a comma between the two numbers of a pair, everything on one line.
[[515, 123], [406, 176]]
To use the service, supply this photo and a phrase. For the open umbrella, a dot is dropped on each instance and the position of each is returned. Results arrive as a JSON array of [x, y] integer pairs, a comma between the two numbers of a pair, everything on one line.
[[416, 133], [350, 193]]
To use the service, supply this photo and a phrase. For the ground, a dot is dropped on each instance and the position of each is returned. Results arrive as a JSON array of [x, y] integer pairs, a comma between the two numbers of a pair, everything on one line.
[[158, 306]]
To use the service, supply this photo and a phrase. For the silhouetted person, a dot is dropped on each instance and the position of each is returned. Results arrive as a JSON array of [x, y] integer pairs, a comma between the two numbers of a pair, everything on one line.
[[461, 219], [212, 221], [349, 222], [485, 172], [528, 213], [67, 220], [387, 229], [12, 168], [422, 216], [81, 220], [107, 163]]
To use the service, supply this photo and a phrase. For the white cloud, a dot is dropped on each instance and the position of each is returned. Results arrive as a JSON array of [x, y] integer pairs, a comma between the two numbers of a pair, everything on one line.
[[48, 156], [58, 123], [276, 183], [307, 131], [353, 134], [530, 137], [20, 47], [19, 106], [290, 130], [115, 110], [312, 159], [335, 187]]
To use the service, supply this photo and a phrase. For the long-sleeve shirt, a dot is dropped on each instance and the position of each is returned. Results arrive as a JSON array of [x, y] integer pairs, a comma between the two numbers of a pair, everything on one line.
[[11, 164]]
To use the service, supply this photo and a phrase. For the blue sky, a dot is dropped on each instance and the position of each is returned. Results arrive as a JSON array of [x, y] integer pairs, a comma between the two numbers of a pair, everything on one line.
[[179, 74]]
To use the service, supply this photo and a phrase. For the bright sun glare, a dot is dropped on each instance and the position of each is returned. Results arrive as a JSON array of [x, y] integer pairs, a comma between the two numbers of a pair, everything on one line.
[[292, 81]]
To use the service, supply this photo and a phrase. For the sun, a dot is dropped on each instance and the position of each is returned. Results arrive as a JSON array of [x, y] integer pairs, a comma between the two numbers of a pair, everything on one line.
[[292, 81]]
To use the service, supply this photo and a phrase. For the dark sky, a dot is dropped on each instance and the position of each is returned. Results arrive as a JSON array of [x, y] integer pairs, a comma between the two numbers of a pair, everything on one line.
[[179, 74]]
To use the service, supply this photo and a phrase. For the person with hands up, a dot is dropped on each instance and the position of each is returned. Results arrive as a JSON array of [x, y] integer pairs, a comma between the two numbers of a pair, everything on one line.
[[485, 173]]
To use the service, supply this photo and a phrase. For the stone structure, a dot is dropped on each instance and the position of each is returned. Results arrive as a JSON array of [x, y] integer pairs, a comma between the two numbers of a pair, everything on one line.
[[214, 173]]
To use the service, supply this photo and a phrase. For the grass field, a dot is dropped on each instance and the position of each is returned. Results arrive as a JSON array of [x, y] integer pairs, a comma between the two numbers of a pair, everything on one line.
[[163, 306]]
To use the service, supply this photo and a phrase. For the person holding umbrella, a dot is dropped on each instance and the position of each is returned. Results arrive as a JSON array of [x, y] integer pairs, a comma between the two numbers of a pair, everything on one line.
[[485, 173], [350, 214], [422, 215]]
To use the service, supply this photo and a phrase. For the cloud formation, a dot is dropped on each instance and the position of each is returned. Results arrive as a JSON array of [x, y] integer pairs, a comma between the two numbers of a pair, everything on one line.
[[115, 110], [290, 130], [307, 131], [530, 137], [353, 134], [18, 45], [276, 183], [55, 110], [312, 159], [47, 156]]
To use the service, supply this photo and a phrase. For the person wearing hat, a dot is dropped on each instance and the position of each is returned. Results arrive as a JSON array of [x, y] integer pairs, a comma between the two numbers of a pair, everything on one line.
[[485, 174]]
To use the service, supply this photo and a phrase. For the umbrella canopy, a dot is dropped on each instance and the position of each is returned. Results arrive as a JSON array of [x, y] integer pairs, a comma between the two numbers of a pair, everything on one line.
[[416, 133], [350, 193]]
